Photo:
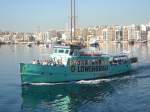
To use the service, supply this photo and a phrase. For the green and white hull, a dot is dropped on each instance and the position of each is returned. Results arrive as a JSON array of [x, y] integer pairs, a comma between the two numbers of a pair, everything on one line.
[[82, 65], [34, 73]]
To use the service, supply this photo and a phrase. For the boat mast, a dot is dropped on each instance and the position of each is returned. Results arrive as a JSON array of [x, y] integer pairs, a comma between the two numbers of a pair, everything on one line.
[[73, 19]]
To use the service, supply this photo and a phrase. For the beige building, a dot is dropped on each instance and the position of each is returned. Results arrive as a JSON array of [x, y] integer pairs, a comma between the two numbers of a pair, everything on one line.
[[111, 33], [99, 34], [125, 33], [108, 33], [148, 35]]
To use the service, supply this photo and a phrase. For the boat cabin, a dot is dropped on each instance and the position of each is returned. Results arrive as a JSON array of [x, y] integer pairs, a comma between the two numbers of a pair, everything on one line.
[[63, 50], [60, 54], [119, 59]]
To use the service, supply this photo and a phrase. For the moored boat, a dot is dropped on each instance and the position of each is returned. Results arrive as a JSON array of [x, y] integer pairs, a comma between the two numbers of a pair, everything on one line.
[[72, 64]]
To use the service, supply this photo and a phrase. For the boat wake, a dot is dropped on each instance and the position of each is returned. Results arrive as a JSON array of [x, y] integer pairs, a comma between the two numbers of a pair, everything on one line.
[[98, 81], [50, 84], [43, 84], [137, 72]]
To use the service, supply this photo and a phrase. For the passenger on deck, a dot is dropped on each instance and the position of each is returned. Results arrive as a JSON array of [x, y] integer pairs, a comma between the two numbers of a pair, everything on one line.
[[48, 62], [34, 62], [38, 62], [44, 62]]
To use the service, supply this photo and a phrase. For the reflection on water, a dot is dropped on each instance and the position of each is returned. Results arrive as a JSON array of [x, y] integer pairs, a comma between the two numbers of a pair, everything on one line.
[[69, 97]]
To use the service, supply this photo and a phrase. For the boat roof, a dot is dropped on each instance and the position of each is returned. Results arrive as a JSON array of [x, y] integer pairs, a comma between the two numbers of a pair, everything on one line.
[[68, 47], [102, 56], [61, 46]]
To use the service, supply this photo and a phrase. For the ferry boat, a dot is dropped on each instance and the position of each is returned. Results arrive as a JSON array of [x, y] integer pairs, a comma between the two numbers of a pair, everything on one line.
[[68, 63]]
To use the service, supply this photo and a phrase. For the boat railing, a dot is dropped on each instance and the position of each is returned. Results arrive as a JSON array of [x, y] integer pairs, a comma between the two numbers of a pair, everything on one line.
[[119, 60], [48, 62]]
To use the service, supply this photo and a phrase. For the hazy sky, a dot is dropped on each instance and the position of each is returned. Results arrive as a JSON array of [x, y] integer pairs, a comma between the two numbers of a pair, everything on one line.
[[27, 15]]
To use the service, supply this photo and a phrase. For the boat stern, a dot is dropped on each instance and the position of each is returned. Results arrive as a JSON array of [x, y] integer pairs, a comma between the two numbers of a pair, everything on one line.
[[133, 59]]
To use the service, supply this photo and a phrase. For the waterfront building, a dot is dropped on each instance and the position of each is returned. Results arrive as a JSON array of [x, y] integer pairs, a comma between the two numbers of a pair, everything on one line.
[[85, 33], [125, 33], [143, 32], [137, 35], [131, 32], [148, 31], [78, 33], [92, 31], [37, 36], [42, 37], [64, 36], [1, 39], [28, 37], [108, 33], [99, 33], [111, 33], [105, 34], [148, 35], [14, 40], [118, 33]]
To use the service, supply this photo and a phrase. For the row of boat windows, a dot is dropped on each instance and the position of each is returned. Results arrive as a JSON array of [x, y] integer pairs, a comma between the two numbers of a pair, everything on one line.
[[88, 62], [61, 51], [48, 62], [119, 60], [98, 62]]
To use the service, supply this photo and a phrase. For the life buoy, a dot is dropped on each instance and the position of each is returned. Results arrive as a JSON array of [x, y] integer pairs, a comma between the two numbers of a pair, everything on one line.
[[73, 68]]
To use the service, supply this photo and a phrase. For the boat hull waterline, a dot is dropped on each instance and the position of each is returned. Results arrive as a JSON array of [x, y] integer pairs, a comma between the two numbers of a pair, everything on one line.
[[37, 73]]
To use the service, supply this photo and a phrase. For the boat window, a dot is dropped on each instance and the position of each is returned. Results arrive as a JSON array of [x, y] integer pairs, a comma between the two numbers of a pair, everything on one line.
[[61, 51], [82, 62], [67, 51], [90, 62], [75, 52], [86, 62], [93, 62], [99, 62], [55, 51]]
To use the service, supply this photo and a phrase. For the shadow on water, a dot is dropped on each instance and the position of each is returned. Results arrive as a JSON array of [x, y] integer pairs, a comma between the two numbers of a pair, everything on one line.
[[69, 97]]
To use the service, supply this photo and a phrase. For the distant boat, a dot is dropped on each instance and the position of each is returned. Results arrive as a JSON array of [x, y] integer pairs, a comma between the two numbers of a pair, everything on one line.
[[126, 52], [131, 42], [29, 44], [117, 41], [143, 41], [94, 43]]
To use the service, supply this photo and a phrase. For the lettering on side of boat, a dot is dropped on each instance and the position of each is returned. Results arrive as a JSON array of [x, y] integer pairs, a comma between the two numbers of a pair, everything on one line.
[[88, 68], [73, 68]]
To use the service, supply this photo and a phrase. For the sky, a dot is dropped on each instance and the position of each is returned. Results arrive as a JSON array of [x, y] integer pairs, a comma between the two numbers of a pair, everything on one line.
[[32, 15]]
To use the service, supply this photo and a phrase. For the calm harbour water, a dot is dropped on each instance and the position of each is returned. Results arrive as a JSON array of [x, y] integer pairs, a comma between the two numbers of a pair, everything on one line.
[[130, 93]]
